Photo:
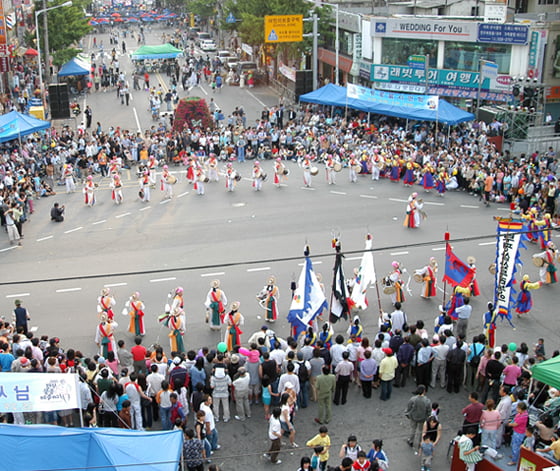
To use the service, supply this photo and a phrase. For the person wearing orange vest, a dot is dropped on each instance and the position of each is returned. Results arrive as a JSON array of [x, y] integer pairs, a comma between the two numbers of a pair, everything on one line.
[[102, 162]]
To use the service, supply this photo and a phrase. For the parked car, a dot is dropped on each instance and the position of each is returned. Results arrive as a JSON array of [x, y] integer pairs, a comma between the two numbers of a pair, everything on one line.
[[208, 45]]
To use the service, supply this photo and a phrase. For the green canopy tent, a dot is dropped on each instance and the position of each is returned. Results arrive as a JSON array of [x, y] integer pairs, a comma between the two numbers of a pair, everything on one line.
[[548, 372], [163, 51]]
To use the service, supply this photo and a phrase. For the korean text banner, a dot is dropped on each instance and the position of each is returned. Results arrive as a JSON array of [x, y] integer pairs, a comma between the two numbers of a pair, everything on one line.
[[428, 102], [33, 392]]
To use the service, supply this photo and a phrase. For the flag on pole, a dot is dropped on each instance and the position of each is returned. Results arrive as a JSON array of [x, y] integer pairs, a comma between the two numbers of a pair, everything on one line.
[[341, 303], [308, 301], [457, 272], [366, 276]]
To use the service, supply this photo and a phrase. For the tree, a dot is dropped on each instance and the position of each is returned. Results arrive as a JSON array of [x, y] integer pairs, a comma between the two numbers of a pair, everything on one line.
[[67, 26]]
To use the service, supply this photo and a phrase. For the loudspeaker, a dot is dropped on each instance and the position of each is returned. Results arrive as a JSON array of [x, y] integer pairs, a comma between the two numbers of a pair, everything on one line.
[[304, 82], [59, 101]]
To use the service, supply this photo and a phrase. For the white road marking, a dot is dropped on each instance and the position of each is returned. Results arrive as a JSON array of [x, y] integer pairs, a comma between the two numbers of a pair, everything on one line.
[[369, 196], [183, 194], [73, 230], [396, 200], [122, 215], [18, 295], [337, 192], [68, 290], [220, 273], [353, 258], [503, 209], [398, 253], [469, 206], [558, 235], [438, 248], [433, 203], [256, 99], [113, 285], [258, 269], [314, 263], [157, 280], [45, 238], [138, 127], [8, 248], [144, 208], [307, 188], [488, 243], [34, 328], [238, 205], [165, 201], [98, 222]]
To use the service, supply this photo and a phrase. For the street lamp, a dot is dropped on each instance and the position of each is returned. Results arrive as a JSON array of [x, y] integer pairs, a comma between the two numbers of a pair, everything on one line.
[[336, 38], [37, 13]]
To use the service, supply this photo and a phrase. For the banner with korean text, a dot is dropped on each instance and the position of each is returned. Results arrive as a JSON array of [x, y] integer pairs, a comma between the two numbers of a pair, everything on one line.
[[36, 392], [428, 102]]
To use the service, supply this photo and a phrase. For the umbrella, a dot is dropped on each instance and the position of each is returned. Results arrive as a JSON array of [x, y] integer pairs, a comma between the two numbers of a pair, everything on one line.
[[102, 20], [92, 23], [118, 20], [133, 20], [31, 52], [115, 14], [147, 18]]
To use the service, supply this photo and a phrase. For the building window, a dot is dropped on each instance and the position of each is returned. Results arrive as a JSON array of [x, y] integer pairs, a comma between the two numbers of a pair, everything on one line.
[[396, 51], [467, 56]]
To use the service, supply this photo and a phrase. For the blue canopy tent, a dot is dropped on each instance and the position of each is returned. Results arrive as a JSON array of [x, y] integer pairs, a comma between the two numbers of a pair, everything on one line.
[[74, 67], [333, 95], [52, 448], [14, 125]]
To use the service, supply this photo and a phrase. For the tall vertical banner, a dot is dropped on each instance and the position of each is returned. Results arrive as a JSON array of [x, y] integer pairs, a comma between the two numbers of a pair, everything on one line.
[[3, 35], [32, 392], [509, 240], [365, 277]]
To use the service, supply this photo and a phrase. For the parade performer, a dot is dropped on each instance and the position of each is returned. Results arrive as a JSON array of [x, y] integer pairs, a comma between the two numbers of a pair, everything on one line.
[[409, 177], [268, 297], [414, 212], [89, 191], [306, 165], [233, 332], [145, 184], [547, 271], [428, 178], [376, 166], [544, 226], [329, 168], [116, 187], [457, 300], [428, 274], [191, 170], [524, 301], [176, 324], [215, 304], [114, 166], [353, 165], [356, 329], [279, 172], [441, 182], [257, 176], [177, 301], [395, 174], [489, 325], [213, 168], [530, 219], [326, 334], [68, 174], [474, 289], [105, 303], [200, 181], [230, 177], [104, 337], [311, 336], [136, 313], [396, 280], [166, 183], [152, 165]]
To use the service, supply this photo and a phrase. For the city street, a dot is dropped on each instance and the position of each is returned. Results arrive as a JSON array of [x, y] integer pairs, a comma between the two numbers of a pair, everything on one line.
[[241, 238]]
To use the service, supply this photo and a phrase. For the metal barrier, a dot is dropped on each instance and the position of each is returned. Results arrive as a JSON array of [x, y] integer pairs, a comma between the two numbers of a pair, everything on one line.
[[283, 91]]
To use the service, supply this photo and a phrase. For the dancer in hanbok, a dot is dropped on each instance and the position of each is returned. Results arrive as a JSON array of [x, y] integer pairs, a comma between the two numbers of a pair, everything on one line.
[[135, 309], [89, 191], [104, 336], [428, 178], [524, 301], [233, 321], [116, 189], [428, 277], [216, 302], [268, 297], [105, 303], [414, 212], [176, 324], [547, 271]]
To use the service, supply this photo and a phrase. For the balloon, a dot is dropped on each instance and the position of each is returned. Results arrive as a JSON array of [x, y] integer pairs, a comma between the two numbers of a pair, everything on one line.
[[512, 347], [222, 347]]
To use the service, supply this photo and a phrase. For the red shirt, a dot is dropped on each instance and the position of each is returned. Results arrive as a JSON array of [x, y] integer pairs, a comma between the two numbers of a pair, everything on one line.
[[473, 412], [138, 353]]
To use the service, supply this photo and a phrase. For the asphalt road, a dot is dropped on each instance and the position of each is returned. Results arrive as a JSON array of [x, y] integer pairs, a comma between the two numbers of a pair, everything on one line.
[[241, 238]]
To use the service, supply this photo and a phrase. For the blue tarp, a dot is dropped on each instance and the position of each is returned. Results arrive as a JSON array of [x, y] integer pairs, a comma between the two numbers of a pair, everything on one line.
[[49, 447], [74, 67], [14, 125], [334, 95]]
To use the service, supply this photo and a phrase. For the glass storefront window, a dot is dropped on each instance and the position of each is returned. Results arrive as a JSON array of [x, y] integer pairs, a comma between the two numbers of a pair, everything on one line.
[[396, 51], [466, 56]]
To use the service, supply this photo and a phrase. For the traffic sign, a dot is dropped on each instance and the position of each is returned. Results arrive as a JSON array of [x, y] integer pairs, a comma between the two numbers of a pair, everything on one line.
[[230, 18], [417, 62], [283, 28]]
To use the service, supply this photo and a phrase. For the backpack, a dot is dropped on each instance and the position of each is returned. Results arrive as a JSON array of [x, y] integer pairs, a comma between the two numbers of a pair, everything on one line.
[[475, 360], [303, 372]]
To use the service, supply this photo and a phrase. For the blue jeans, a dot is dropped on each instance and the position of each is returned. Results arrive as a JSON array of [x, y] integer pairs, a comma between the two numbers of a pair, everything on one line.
[[207, 447], [386, 390], [516, 442], [303, 396], [240, 154], [165, 413], [489, 438], [212, 437]]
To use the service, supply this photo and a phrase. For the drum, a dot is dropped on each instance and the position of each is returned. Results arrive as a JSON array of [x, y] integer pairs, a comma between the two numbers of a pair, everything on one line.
[[206, 179], [538, 261], [141, 194], [492, 268], [202, 178], [357, 168], [263, 176], [237, 177], [286, 172], [171, 179], [313, 171], [389, 290], [337, 167], [418, 278]]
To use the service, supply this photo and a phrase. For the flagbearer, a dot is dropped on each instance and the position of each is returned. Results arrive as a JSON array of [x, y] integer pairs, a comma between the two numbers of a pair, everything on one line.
[[216, 302], [364, 277], [341, 303]]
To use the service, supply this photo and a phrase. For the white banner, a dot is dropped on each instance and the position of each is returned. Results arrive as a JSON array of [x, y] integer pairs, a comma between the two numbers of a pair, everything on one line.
[[36, 392], [507, 248]]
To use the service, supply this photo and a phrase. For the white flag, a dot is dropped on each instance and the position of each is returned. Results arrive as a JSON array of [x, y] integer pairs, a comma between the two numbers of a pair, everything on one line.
[[364, 278]]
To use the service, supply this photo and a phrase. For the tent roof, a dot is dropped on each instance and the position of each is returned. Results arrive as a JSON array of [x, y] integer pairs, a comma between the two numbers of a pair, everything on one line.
[[85, 448], [163, 51], [74, 67], [333, 95], [14, 125], [548, 372]]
